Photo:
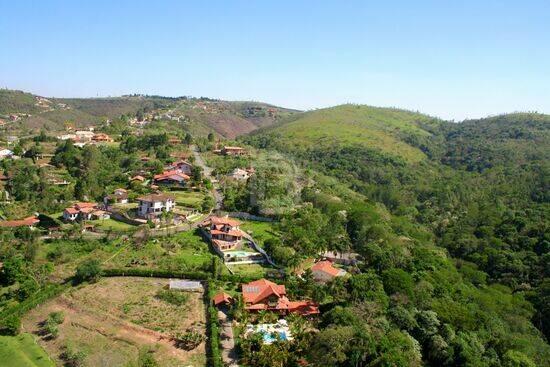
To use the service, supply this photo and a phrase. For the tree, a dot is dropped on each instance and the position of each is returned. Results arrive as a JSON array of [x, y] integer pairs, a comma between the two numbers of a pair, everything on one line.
[[88, 271], [10, 325], [211, 137], [188, 139]]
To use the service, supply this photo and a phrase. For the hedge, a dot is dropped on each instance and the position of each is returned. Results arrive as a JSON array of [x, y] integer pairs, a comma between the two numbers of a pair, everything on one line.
[[195, 275], [212, 330], [46, 293]]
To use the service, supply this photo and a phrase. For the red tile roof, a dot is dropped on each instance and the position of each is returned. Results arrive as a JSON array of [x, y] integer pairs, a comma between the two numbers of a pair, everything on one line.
[[222, 297], [171, 175], [326, 267], [224, 220], [30, 221], [259, 290]]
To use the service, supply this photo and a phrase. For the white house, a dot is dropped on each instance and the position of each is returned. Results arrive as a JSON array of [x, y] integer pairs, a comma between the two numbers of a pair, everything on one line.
[[239, 174], [155, 204], [84, 135]]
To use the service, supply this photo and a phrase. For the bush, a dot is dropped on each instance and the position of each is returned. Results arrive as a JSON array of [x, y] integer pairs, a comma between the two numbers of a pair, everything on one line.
[[10, 325], [73, 357], [88, 271], [56, 317], [188, 340], [173, 297], [146, 359]]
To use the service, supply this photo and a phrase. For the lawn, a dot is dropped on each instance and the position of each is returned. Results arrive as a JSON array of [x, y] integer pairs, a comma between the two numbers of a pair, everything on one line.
[[191, 199], [112, 320], [22, 351], [111, 224], [260, 231], [182, 251], [253, 270]]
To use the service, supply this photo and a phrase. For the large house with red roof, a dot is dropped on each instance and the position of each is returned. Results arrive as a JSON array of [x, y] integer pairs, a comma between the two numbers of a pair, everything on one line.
[[324, 271], [151, 206], [268, 296], [224, 232], [233, 151]]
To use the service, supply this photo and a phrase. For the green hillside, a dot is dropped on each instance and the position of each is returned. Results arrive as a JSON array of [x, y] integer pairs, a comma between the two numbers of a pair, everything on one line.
[[199, 116], [384, 129], [22, 351]]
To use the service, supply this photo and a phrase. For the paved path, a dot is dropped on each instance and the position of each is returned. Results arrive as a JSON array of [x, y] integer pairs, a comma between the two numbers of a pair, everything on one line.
[[229, 354], [207, 171]]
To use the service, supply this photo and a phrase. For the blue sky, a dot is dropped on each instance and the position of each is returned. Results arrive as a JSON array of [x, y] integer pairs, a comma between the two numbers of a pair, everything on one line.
[[452, 59]]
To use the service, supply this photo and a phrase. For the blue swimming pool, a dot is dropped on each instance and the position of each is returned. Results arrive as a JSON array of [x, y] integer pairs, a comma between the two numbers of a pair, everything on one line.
[[272, 337]]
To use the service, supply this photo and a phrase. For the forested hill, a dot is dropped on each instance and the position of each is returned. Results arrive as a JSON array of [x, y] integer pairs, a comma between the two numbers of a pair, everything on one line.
[[198, 116], [481, 187]]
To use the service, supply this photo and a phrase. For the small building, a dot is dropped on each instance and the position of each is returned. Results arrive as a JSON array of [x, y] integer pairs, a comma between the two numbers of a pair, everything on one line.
[[27, 222], [224, 229], [119, 196], [222, 299], [239, 174], [151, 206], [324, 271], [137, 178], [185, 285], [171, 178], [5, 153], [228, 150], [102, 138], [84, 135], [181, 166], [84, 211]]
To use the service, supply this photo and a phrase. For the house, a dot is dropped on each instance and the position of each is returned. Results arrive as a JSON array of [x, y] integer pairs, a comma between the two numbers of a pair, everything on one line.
[[67, 137], [222, 299], [172, 178], [84, 135], [344, 258], [138, 178], [265, 295], [27, 222], [224, 229], [233, 151], [5, 153], [181, 166], [102, 138], [324, 271], [239, 174], [151, 206], [185, 285], [119, 196], [84, 211]]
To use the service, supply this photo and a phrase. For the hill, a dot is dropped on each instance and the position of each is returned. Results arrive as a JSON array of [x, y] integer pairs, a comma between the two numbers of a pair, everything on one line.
[[386, 130], [197, 115]]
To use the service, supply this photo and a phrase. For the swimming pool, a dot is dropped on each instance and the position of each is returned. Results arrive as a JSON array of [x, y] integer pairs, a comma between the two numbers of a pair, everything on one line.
[[240, 253], [272, 337]]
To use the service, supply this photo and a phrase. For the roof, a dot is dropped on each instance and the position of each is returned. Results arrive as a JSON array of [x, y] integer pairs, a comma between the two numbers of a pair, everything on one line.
[[326, 267], [232, 148], [173, 174], [82, 205], [225, 220], [29, 221], [138, 178], [235, 233], [259, 290], [156, 197], [71, 210], [222, 297]]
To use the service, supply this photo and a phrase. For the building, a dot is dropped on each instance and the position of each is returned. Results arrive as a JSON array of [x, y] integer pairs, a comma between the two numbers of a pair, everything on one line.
[[185, 285], [171, 178], [84, 135], [84, 211], [324, 271], [344, 258], [27, 222], [264, 295], [119, 196], [222, 299], [224, 229], [5, 153], [239, 174], [181, 166], [233, 151], [102, 138], [151, 206], [138, 178]]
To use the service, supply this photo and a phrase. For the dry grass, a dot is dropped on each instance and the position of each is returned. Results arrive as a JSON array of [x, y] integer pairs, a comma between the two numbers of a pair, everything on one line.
[[113, 319]]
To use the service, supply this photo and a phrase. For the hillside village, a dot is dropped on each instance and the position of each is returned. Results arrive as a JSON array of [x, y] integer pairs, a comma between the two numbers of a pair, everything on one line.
[[167, 239]]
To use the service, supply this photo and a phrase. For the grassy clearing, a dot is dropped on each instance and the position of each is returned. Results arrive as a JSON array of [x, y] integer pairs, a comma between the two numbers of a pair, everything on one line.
[[110, 321], [372, 127], [111, 224], [22, 351], [260, 231], [254, 270], [191, 199]]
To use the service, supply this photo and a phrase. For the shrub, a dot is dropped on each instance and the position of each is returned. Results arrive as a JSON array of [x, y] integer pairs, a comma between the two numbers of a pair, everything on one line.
[[88, 271], [188, 340], [10, 325], [57, 317], [173, 297], [146, 359], [73, 357]]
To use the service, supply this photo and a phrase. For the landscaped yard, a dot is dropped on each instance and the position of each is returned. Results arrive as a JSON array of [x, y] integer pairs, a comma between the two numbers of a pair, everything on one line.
[[260, 231], [112, 320], [22, 351], [111, 224], [186, 198], [254, 270]]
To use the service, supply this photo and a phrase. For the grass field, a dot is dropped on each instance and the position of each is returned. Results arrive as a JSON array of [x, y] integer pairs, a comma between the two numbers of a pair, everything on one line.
[[381, 128], [260, 231], [111, 224], [111, 320], [191, 199], [254, 270], [22, 351]]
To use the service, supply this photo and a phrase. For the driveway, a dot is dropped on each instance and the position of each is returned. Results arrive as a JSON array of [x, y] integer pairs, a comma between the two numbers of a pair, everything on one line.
[[207, 171]]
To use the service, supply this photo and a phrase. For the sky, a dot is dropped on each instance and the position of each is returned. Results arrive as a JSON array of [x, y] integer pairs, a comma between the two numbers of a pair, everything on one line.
[[450, 59]]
